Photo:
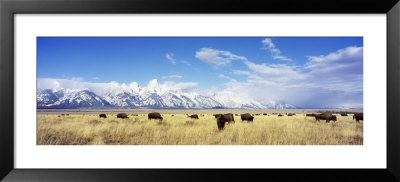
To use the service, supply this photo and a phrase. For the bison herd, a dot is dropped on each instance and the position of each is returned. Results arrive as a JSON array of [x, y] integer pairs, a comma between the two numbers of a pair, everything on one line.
[[222, 119]]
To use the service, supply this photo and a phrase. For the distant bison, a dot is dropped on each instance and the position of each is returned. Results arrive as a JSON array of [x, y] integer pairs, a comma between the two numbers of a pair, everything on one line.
[[246, 117], [102, 115], [358, 117], [280, 115], [122, 115], [343, 114], [310, 115], [265, 114], [325, 116], [154, 115], [290, 114], [194, 116]]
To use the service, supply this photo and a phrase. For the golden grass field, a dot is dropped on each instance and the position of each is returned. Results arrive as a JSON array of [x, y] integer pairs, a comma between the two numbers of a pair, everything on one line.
[[86, 128]]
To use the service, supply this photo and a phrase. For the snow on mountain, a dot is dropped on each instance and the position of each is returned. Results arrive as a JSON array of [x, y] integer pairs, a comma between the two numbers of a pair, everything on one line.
[[70, 98], [152, 96]]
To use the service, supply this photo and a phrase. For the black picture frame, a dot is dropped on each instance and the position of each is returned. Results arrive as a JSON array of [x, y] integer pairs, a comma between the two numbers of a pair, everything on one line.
[[8, 8]]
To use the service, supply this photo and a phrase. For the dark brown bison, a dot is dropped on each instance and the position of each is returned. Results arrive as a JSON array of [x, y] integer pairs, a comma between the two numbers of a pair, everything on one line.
[[223, 118], [358, 117], [102, 115], [194, 116], [310, 115], [228, 117], [325, 116], [290, 114], [220, 123], [236, 114], [154, 115], [343, 114], [247, 117], [62, 114], [265, 114], [122, 115], [280, 115]]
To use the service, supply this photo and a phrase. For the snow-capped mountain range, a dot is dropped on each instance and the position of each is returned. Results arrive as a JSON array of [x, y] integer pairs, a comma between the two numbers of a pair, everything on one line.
[[153, 96]]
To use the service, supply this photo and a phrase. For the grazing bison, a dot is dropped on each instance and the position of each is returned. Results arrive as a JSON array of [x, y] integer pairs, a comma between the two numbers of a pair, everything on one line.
[[154, 115], [325, 116], [310, 115], [358, 117], [265, 114], [102, 115], [343, 114], [246, 117], [290, 114], [280, 115], [194, 116], [62, 114], [122, 115]]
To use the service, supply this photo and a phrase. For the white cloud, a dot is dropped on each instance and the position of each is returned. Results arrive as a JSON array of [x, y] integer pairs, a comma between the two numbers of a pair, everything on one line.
[[170, 56], [347, 60], [186, 63], [226, 77], [216, 58], [276, 53], [240, 72], [173, 76], [335, 79]]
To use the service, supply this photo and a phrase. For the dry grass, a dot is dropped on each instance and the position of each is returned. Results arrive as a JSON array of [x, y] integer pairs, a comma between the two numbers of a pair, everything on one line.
[[89, 129]]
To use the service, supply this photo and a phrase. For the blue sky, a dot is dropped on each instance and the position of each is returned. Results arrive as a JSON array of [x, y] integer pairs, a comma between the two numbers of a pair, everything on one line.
[[332, 63]]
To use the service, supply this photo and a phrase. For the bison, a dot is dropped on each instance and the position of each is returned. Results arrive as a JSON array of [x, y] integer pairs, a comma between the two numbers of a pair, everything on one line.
[[265, 114], [280, 115], [220, 123], [223, 118], [246, 117], [122, 115], [228, 117], [290, 114], [194, 116], [325, 116], [310, 115], [102, 115], [358, 117], [154, 115], [343, 114]]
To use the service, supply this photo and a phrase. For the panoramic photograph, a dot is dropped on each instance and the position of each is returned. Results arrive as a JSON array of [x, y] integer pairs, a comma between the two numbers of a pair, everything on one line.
[[199, 91]]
